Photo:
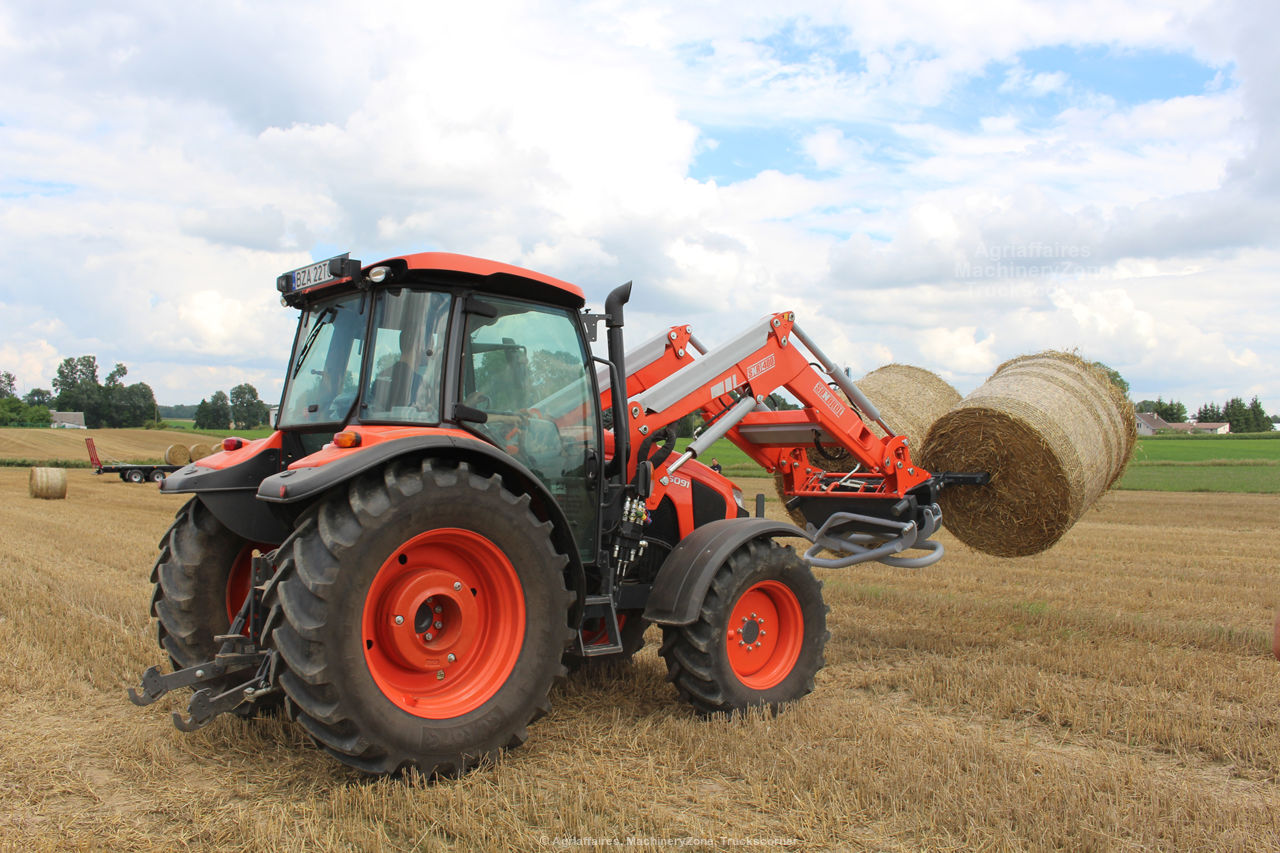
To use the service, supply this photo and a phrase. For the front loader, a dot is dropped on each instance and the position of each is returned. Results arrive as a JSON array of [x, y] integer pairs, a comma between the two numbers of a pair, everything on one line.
[[460, 501]]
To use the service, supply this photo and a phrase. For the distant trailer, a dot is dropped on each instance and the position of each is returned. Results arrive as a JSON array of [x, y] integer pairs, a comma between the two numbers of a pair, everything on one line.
[[129, 472]]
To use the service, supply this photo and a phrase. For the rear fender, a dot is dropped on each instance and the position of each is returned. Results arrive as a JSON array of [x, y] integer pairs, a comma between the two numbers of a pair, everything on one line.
[[685, 576], [227, 484], [300, 485]]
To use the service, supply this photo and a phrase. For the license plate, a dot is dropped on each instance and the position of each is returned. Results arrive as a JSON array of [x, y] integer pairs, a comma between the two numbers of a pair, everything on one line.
[[313, 274]]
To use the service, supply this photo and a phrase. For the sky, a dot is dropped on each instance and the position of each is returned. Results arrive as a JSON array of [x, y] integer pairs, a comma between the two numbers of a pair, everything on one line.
[[940, 184]]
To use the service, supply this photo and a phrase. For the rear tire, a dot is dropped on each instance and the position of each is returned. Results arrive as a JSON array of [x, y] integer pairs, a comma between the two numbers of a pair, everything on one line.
[[201, 578], [362, 576], [135, 476], [759, 636], [157, 476]]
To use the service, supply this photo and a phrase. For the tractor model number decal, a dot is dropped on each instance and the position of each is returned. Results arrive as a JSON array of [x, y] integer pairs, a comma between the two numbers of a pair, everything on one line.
[[761, 366], [725, 385], [824, 393], [679, 481]]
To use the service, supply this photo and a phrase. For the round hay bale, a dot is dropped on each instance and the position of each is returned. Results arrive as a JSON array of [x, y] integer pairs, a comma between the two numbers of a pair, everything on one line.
[[1053, 432], [200, 451], [48, 483], [177, 454], [909, 398]]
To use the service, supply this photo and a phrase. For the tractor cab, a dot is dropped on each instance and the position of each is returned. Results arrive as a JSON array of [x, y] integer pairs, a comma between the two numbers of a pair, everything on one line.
[[439, 343]]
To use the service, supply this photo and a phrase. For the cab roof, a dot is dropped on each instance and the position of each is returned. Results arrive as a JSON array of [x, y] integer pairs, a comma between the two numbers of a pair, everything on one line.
[[499, 275]]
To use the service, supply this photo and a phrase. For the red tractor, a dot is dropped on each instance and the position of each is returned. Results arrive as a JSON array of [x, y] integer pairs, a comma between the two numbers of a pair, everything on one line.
[[460, 501]]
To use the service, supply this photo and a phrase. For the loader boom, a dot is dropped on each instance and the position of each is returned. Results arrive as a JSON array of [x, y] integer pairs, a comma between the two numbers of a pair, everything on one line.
[[730, 386]]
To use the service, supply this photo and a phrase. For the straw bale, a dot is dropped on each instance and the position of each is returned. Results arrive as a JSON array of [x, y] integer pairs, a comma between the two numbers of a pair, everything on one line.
[[1054, 433], [177, 454], [200, 450], [909, 398], [48, 483]]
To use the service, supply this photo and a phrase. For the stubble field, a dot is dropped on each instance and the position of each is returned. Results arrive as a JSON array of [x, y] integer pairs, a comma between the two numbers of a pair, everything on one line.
[[1116, 692]]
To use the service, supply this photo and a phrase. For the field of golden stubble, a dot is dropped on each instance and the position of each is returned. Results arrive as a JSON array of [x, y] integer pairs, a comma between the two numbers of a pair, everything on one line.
[[1116, 692]]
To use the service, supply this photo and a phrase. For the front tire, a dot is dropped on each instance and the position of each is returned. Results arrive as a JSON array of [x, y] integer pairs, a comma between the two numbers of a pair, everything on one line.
[[759, 636], [420, 619]]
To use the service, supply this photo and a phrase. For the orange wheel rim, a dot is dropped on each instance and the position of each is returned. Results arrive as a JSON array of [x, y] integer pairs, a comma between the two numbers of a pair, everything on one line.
[[764, 635], [443, 623]]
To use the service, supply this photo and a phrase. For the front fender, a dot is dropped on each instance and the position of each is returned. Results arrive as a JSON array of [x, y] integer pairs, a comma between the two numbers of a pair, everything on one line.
[[685, 577]]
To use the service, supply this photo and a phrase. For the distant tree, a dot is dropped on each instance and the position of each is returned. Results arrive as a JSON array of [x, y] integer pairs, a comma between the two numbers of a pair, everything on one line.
[[38, 397], [1116, 379], [247, 410], [7, 382], [1172, 411], [1236, 413], [14, 412], [77, 389], [1259, 421], [120, 405], [214, 413], [1209, 413]]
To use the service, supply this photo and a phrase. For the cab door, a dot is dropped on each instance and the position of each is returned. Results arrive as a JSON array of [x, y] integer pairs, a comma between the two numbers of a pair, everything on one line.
[[526, 366]]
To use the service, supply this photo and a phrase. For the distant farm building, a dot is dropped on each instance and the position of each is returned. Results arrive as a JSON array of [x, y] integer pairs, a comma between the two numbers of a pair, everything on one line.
[[1150, 423], [67, 420]]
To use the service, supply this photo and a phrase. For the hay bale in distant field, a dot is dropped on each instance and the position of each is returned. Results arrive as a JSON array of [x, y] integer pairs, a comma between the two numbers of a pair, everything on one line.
[[177, 454], [48, 483], [1054, 433], [909, 398], [200, 451]]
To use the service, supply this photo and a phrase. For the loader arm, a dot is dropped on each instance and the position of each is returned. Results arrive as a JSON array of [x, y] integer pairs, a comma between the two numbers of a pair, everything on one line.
[[729, 386], [884, 504]]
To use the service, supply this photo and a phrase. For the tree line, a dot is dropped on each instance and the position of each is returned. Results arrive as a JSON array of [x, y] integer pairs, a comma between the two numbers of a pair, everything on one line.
[[113, 404], [76, 388], [1243, 417]]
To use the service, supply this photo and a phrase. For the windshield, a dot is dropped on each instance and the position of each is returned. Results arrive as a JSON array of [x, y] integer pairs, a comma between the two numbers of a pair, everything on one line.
[[408, 357], [324, 372]]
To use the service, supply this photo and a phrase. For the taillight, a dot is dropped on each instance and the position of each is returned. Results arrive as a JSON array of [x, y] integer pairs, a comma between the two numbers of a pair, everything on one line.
[[232, 443]]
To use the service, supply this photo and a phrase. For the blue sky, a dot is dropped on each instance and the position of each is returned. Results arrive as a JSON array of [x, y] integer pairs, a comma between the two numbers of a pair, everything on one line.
[[860, 164]]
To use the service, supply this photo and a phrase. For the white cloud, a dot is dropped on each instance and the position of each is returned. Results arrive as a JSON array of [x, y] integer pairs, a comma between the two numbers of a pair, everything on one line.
[[164, 163]]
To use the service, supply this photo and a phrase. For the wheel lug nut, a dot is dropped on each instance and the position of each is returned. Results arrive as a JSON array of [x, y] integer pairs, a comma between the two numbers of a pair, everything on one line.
[[399, 620], [457, 585], [753, 616], [440, 675], [452, 657], [439, 625], [439, 610], [762, 633], [428, 637]]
